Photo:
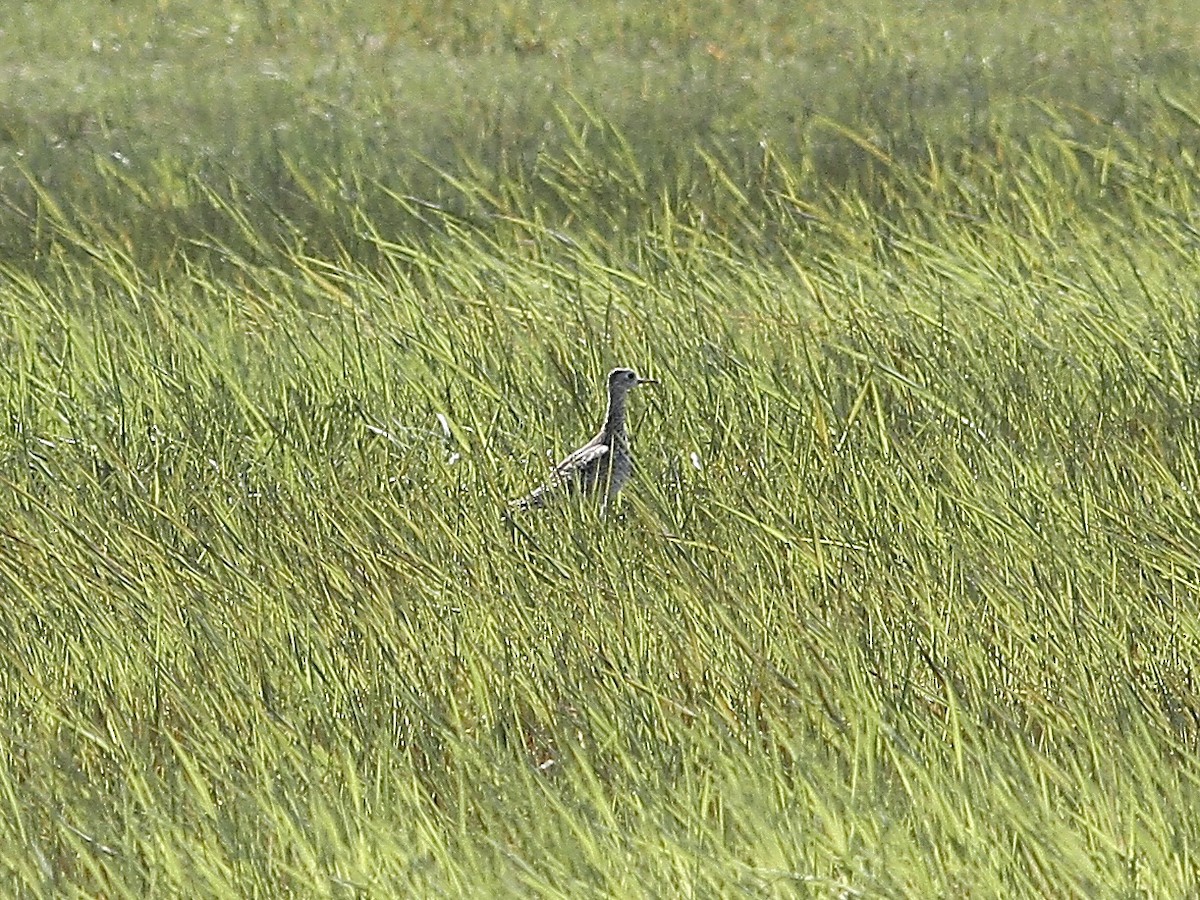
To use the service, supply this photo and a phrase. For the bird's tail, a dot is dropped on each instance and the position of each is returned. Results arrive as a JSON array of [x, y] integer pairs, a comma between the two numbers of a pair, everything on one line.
[[535, 499]]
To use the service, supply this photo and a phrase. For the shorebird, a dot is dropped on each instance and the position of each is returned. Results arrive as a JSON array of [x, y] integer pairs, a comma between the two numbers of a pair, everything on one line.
[[602, 464]]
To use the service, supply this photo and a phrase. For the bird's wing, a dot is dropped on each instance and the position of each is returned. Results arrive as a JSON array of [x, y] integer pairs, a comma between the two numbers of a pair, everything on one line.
[[584, 456], [564, 474]]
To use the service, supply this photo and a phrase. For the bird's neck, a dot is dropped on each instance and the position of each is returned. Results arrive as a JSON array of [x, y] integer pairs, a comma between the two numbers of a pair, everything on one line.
[[614, 419]]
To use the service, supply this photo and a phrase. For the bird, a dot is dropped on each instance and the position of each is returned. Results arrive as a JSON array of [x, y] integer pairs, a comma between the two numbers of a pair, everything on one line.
[[604, 464]]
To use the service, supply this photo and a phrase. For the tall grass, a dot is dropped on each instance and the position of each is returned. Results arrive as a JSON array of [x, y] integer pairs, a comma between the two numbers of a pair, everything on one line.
[[900, 603], [154, 118]]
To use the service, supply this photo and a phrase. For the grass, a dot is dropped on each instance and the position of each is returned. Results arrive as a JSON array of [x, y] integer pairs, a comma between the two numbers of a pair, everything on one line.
[[901, 603]]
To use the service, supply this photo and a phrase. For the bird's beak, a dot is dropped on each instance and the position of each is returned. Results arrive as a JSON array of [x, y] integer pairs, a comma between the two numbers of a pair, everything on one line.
[[647, 381]]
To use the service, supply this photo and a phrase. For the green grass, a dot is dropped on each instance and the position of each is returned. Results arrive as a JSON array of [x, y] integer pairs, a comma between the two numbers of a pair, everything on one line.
[[901, 603]]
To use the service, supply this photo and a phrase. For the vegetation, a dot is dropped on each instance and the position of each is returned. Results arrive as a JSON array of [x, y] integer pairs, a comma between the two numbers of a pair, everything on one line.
[[902, 601]]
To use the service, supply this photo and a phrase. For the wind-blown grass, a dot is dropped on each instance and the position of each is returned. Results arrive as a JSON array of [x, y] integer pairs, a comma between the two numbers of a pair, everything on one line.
[[900, 603]]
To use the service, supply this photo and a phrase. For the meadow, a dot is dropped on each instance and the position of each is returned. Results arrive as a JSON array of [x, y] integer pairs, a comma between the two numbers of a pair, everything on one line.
[[902, 601]]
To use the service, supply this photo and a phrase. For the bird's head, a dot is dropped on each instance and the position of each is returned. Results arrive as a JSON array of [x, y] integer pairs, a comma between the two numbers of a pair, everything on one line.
[[621, 380]]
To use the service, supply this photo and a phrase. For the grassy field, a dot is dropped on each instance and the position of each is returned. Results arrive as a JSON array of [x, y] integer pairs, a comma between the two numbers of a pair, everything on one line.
[[903, 600]]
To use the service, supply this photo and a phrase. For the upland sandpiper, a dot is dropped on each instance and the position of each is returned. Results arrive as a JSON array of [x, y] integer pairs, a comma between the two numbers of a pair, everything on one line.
[[604, 464]]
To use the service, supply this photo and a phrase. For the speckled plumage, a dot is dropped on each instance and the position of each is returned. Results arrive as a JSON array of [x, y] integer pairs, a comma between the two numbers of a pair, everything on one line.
[[604, 464]]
